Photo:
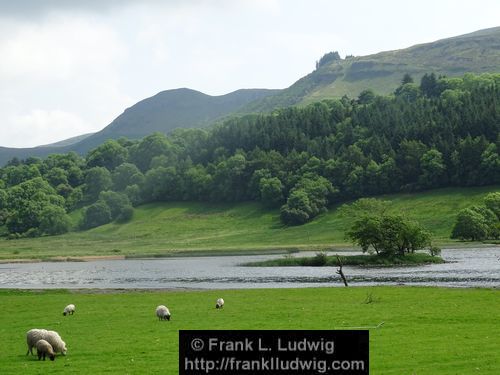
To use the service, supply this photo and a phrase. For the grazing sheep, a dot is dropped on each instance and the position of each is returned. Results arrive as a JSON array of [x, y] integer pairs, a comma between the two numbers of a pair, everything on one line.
[[69, 310], [162, 313], [43, 348], [53, 338], [219, 304]]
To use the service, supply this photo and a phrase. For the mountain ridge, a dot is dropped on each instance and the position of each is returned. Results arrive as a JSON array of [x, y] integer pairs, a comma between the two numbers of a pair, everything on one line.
[[475, 52]]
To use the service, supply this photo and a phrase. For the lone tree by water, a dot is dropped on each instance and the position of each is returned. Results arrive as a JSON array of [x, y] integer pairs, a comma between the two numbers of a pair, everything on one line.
[[388, 234]]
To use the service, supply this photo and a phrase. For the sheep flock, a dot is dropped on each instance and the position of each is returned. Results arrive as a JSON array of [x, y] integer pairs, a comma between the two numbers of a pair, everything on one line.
[[48, 342]]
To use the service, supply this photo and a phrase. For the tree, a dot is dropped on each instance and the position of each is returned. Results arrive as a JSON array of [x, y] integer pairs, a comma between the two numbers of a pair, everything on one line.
[[326, 58], [492, 201], [134, 195], [95, 215], [108, 155], [429, 85], [407, 78], [26, 203], [97, 179], [433, 169], [153, 145], [115, 201], [470, 225], [366, 97], [126, 174], [388, 234], [297, 209], [271, 191], [54, 221]]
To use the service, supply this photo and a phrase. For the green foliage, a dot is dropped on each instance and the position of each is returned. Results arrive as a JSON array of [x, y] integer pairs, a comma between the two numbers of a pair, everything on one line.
[[366, 97], [126, 174], [149, 147], [133, 193], [108, 155], [320, 260], [388, 234], [95, 215], [54, 220], [97, 179], [470, 225], [479, 222], [297, 209], [27, 202], [327, 58], [308, 198], [309, 157], [271, 191], [115, 201], [492, 202], [229, 227]]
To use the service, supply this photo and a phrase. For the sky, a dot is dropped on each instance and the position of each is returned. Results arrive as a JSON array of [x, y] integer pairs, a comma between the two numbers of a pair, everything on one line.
[[69, 67]]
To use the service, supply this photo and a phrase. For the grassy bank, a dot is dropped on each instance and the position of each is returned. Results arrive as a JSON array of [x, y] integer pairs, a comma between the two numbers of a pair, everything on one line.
[[320, 260], [168, 228], [425, 331]]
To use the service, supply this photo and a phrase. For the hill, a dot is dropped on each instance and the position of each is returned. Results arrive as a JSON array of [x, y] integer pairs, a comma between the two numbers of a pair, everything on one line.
[[69, 141], [477, 52], [163, 112], [167, 228]]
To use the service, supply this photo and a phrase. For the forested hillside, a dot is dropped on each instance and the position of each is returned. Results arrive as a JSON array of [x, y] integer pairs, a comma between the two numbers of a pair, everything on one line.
[[440, 132]]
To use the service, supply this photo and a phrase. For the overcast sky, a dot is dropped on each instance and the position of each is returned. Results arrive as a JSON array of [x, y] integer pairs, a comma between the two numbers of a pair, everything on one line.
[[70, 67]]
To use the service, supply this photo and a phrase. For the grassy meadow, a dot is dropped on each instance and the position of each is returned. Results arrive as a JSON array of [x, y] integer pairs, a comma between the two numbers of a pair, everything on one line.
[[169, 228], [425, 331]]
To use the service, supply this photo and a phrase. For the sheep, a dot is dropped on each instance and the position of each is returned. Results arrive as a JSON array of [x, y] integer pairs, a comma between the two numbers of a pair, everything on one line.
[[52, 337], [69, 310], [43, 348], [219, 304], [162, 313]]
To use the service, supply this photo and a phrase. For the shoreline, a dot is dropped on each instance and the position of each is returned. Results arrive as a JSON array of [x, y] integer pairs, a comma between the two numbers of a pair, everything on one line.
[[211, 253]]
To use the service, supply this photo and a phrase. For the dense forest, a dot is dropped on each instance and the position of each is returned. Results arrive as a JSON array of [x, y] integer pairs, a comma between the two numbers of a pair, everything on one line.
[[436, 133]]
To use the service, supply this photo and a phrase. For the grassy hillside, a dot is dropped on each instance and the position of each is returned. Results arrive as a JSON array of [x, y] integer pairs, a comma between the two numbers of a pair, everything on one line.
[[477, 52], [163, 228], [425, 330]]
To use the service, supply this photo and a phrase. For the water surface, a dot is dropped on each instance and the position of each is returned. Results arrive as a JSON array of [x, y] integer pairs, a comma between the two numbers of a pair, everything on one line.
[[464, 268]]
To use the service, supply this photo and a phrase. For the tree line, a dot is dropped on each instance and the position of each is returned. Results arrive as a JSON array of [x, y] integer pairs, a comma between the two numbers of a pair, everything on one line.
[[438, 133]]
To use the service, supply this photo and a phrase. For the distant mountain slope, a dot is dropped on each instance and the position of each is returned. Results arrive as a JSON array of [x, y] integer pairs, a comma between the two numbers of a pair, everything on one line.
[[69, 141], [167, 110], [477, 52]]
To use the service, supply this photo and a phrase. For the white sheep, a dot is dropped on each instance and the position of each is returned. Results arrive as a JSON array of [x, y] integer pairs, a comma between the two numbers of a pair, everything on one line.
[[69, 310], [219, 304], [43, 349], [52, 337], [163, 313]]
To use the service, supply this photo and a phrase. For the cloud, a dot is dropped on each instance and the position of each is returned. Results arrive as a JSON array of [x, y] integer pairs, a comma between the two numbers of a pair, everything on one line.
[[38, 8], [62, 70], [40, 127]]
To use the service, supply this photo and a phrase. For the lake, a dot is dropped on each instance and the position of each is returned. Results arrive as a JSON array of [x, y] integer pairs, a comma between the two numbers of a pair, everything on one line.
[[478, 267]]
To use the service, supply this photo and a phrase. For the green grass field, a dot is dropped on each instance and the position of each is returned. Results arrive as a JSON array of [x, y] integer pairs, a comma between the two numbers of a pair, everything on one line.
[[426, 330], [167, 228]]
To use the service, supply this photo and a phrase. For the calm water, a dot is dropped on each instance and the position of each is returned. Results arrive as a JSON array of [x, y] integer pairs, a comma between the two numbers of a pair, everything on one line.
[[464, 268]]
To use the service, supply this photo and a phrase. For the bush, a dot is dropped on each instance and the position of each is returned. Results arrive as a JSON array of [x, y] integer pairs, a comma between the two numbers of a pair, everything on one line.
[[54, 221], [115, 201], [95, 215]]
